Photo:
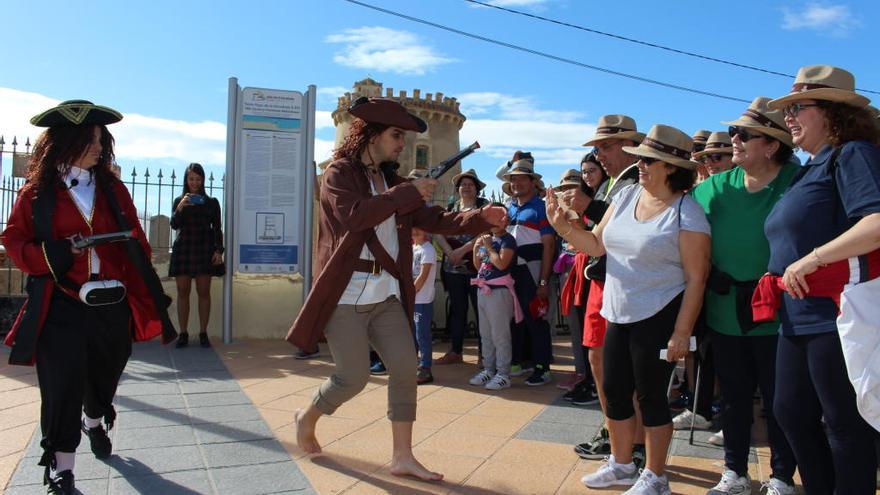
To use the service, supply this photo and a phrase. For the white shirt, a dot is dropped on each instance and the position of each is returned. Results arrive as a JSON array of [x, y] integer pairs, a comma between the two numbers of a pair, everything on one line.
[[81, 187], [424, 254], [366, 288]]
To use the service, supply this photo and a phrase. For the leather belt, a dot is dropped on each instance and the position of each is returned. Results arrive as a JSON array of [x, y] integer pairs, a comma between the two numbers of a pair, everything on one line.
[[367, 266]]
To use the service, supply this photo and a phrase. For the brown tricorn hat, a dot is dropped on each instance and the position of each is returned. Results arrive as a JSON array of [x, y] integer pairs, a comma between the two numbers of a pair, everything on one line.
[[386, 111]]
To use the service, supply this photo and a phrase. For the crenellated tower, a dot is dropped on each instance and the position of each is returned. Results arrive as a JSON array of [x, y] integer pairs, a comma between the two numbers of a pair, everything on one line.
[[422, 150]]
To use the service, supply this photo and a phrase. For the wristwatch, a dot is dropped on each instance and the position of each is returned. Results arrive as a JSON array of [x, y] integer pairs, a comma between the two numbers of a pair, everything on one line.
[[543, 283]]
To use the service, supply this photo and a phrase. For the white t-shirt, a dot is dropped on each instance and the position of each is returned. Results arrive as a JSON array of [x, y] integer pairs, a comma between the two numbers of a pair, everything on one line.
[[366, 288], [424, 254]]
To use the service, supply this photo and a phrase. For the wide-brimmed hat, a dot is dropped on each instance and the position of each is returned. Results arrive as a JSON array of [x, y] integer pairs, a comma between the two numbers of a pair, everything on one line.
[[615, 127], [718, 142], [699, 138], [521, 167], [505, 188], [760, 117], [76, 112], [473, 175], [386, 111], [822, 82], [570, 178], [668, 144]]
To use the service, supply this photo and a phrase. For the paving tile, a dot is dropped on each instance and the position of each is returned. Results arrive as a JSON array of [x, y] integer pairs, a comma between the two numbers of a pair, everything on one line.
[[148, 402], [455, 470], [563, 433], [82, 486], [87, 468], [278, 477], [155, 460], [449, 441], [166, 436], [562, 411], [487, 425], [217, 399], [239, 431], [514, 477], [128, 389], [244, 453], [151, 418], [218, 414], [19, 415], [179, 482]]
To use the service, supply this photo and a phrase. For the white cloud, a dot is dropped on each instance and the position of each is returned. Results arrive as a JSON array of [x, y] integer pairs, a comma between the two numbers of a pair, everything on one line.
[[511, 107], [834, 20], [551, 143], [324, 119], [388, 50]]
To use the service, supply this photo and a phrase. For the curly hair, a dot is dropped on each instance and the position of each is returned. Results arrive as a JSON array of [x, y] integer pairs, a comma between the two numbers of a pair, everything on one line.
[[58, 147], [848, 123], [358, 138]]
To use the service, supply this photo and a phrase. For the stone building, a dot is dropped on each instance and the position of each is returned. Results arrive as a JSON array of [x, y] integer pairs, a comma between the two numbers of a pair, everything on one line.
[[423, 150]]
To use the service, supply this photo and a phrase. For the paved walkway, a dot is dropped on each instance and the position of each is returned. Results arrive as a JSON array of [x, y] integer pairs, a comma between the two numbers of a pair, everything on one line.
[[220, 421]]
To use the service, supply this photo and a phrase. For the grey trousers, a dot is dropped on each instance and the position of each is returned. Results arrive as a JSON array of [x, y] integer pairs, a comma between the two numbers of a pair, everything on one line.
[[350, 332], [496, 311]]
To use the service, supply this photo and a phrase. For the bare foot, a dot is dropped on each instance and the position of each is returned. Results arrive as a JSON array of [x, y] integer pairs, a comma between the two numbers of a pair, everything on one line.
[[305, 434], [409, 466]]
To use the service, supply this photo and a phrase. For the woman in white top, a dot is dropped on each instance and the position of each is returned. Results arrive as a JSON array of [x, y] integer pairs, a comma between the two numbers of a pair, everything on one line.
[[657, 242]]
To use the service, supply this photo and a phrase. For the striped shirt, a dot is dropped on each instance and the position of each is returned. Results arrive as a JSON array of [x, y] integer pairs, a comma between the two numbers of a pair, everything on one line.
[[527, 224]]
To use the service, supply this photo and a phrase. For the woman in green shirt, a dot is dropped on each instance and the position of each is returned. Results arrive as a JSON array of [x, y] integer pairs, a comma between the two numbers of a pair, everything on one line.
[[736, 203]]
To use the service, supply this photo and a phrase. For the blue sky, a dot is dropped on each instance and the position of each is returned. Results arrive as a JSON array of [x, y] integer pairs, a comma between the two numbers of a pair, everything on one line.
[[165, 65]]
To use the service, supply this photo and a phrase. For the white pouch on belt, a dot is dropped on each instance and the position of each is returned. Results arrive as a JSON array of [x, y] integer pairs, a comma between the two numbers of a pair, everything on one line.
[[102, 292]]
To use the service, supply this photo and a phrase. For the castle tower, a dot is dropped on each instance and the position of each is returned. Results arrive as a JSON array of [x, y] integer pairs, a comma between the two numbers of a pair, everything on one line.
[[422, 150]]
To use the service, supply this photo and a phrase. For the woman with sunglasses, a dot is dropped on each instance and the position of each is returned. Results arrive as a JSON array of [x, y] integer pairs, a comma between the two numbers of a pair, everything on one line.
[[656, 239], [717, 156], [736, 203], [830, 213]]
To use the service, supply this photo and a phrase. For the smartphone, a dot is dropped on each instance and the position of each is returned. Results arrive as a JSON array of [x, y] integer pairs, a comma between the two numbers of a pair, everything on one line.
[[196, 199]]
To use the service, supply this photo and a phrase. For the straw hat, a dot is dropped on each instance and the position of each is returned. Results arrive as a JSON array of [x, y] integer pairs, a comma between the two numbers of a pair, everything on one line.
[[760, 117], [667, 144], [386, 111], [505, 188], [76, 112], [822, 82], [471, 173], [615, 127], [699, 138], [718, 142], [521, 167], [571, 178]]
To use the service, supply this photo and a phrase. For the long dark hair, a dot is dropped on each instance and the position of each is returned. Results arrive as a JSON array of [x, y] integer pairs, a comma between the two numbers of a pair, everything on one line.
[[57, 147], [193, 168], [592, 157]]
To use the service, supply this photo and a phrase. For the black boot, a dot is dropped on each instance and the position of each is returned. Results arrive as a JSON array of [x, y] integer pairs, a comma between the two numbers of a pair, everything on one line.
[[182, 340], [99, 441], [62, 483]]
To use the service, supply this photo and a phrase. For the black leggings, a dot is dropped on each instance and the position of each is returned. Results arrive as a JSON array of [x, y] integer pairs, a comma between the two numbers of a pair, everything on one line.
[[631, 362]]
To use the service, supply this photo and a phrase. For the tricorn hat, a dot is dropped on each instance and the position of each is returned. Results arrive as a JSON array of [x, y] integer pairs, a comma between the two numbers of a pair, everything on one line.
[[822, 82], [718, 142], [472, 174], [521, 167], [760, 117], [76, 112], [668, 144], [386, 111], [615, 127], [571, 178]]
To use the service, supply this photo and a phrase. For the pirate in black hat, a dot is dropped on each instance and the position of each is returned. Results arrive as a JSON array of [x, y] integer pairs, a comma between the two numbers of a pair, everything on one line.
[[85, 304]]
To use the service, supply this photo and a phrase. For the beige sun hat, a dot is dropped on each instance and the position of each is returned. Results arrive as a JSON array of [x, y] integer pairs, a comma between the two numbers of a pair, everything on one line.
[[718, 142], [570, 179], [505, 188], [615, 127], [521, 167], [668, 144], [822, 82], [760, 117], [699, 138], [472, 174]]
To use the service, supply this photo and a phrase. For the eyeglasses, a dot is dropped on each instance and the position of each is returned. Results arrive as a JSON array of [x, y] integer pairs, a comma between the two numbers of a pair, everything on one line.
[[647, 160], [744, 135], [712, 157], [590, 171], [795, 108]]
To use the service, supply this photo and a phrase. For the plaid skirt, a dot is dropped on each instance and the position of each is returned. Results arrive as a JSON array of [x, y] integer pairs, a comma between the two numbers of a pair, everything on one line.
[[192, 252]]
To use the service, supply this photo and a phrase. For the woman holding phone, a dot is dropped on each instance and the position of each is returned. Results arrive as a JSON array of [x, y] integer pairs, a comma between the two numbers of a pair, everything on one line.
[[197, 252]]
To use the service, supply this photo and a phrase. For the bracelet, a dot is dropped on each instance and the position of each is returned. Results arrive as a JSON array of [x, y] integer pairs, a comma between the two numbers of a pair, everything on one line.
[[570, 228], [818, 259]]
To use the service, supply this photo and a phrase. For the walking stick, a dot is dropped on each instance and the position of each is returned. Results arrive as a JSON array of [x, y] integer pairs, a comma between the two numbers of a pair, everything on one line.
[[696, 398]]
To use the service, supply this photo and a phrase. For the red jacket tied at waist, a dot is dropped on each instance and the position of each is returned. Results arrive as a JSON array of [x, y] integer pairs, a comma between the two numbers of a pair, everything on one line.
[[827, 281], [574, 289]]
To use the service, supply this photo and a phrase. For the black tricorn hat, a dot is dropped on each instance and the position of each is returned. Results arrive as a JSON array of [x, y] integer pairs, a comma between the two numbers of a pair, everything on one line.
[[386, 111], [76, 112]]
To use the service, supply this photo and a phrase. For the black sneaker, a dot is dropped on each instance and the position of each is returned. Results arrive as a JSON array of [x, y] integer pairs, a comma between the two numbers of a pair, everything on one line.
[[62, 483], [596, 449], [539, 377], [574, 391], [304, 354], [639, 456], [203, 340], [99, 441], [585, 396], [182, 340]]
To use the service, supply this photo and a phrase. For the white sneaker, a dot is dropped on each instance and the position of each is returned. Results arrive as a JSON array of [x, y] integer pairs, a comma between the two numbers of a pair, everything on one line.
[[481, 378], [650, 484], [498, 382], [732, 484], [717, 438], [611, 473], [683, 421], [778, 487]]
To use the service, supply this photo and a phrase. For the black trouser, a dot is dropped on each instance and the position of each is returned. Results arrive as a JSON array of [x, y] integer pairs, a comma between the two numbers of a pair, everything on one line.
[[81, 353], [631, 362], [459, 290], [812, 384], [743, 363], [537, 329]]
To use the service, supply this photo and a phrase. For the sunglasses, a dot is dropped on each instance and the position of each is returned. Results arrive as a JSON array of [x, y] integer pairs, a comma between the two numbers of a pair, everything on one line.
[[712, 157], [744, 135], [647, 160], [795, 108]]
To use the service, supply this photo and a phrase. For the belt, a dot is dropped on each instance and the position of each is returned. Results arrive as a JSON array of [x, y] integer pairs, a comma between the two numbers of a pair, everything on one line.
[[367, 266]]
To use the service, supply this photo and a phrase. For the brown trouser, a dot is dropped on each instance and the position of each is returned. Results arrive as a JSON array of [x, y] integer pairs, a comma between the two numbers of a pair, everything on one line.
[[350, 332]]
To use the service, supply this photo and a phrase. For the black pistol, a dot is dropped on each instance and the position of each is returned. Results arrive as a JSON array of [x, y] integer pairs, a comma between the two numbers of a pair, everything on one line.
[[437, 171], [80, 241]]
